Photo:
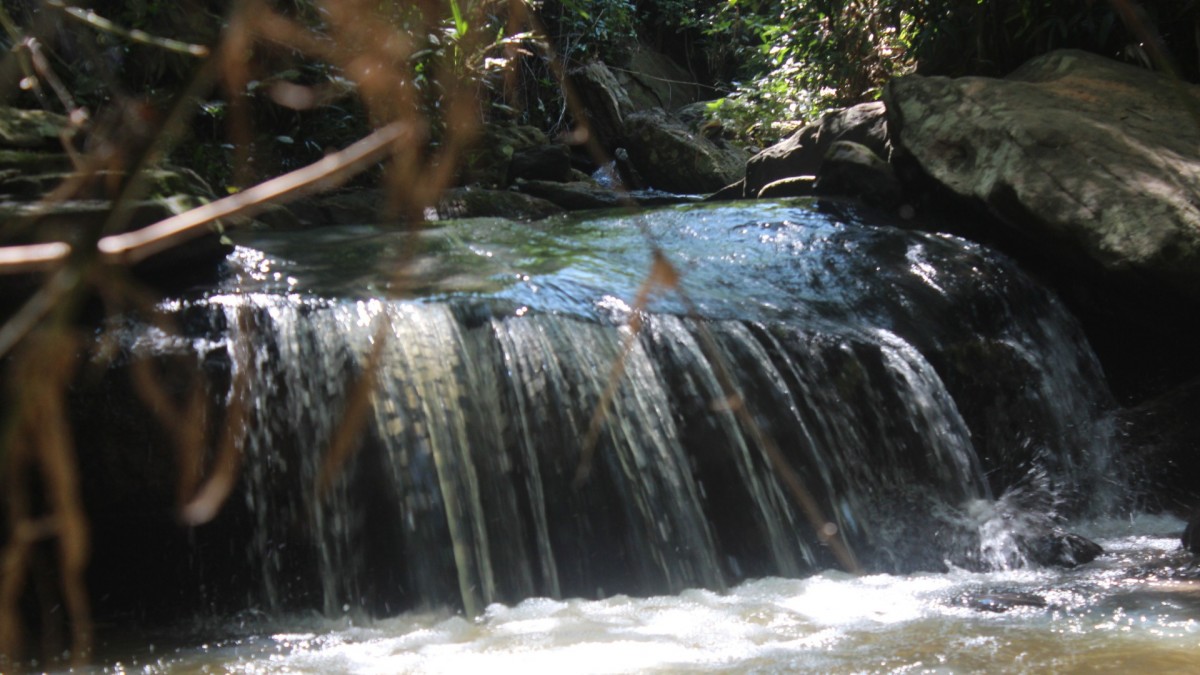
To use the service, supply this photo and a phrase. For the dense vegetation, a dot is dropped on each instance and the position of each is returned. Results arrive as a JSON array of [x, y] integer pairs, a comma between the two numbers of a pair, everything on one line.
[[766, 60]]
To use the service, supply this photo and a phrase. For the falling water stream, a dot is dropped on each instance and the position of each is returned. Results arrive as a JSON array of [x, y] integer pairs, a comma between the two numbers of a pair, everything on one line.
[[943, 416]]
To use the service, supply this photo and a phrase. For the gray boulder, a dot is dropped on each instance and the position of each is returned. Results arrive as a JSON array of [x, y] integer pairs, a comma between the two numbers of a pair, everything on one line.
[[645, 81], [604, 101], [653, 80], [1097, 161], [853, 170], [670, 157], [802, 153]]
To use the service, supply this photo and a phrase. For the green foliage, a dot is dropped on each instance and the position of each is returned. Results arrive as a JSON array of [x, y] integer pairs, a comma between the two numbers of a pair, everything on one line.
[[585, 29], [809, 55]]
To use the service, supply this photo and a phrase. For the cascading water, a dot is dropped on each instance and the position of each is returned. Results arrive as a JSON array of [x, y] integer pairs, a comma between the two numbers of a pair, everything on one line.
[[812, 380], [905, 379]]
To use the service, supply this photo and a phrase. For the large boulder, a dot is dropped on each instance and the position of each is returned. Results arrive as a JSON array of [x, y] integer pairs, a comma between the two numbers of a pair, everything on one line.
[[653, 80], [1095, 161], [853, 170], [647, 80], [670, 157], [604, 101], [489, 160], [802, 153]]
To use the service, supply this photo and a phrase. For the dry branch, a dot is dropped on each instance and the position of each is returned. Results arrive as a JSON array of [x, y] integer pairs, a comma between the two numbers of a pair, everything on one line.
[[328, 172], [133, 247]]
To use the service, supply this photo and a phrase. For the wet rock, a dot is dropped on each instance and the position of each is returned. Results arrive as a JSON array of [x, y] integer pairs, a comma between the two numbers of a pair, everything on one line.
[[1003, 601], [471, 202], [853, 170], [1191, 535], [1061, 549], [671, 158], [1096, 160], [735, 190], [625, 173], [573, 196], [802, 153], [1163, 434], [796, 186]]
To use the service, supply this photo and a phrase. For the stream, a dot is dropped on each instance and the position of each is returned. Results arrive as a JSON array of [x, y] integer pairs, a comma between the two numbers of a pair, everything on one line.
[[827, 444]]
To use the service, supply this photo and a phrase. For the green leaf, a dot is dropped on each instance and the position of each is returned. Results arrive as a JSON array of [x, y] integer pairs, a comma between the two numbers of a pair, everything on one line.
[[460, 23]]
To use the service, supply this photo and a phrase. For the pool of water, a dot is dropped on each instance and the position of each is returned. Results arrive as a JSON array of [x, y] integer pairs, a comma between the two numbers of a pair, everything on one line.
[[1134, 609]]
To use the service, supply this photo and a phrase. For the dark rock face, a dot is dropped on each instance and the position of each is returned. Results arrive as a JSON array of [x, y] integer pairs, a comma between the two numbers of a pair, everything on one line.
[[671, 158], [543, 162], [1191, 536], [853, 170], [802, 153], [1096, 160], [1164, 433], [489, 161], [1062, 549], [604, 100]]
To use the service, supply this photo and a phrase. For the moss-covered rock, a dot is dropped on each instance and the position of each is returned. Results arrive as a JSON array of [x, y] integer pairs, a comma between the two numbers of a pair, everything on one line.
[[34, 129], [672, 158]]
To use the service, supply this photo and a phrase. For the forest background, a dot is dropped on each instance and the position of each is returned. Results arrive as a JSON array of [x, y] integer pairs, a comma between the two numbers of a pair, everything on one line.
[[279, 90]]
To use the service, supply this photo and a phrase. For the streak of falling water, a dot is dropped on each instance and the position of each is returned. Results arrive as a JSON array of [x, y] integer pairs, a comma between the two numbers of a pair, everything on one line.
[[295, 400], [425, 369]]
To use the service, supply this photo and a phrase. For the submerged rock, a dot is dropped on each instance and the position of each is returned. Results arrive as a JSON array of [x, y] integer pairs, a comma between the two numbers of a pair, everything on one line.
[[1003, 601], [1062, 549]]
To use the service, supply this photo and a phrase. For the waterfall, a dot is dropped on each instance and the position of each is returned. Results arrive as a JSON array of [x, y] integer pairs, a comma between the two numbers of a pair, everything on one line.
[[904, 379]]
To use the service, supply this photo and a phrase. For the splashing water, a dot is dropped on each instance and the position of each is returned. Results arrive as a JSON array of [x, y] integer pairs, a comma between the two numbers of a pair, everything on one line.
[[941, 411]]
